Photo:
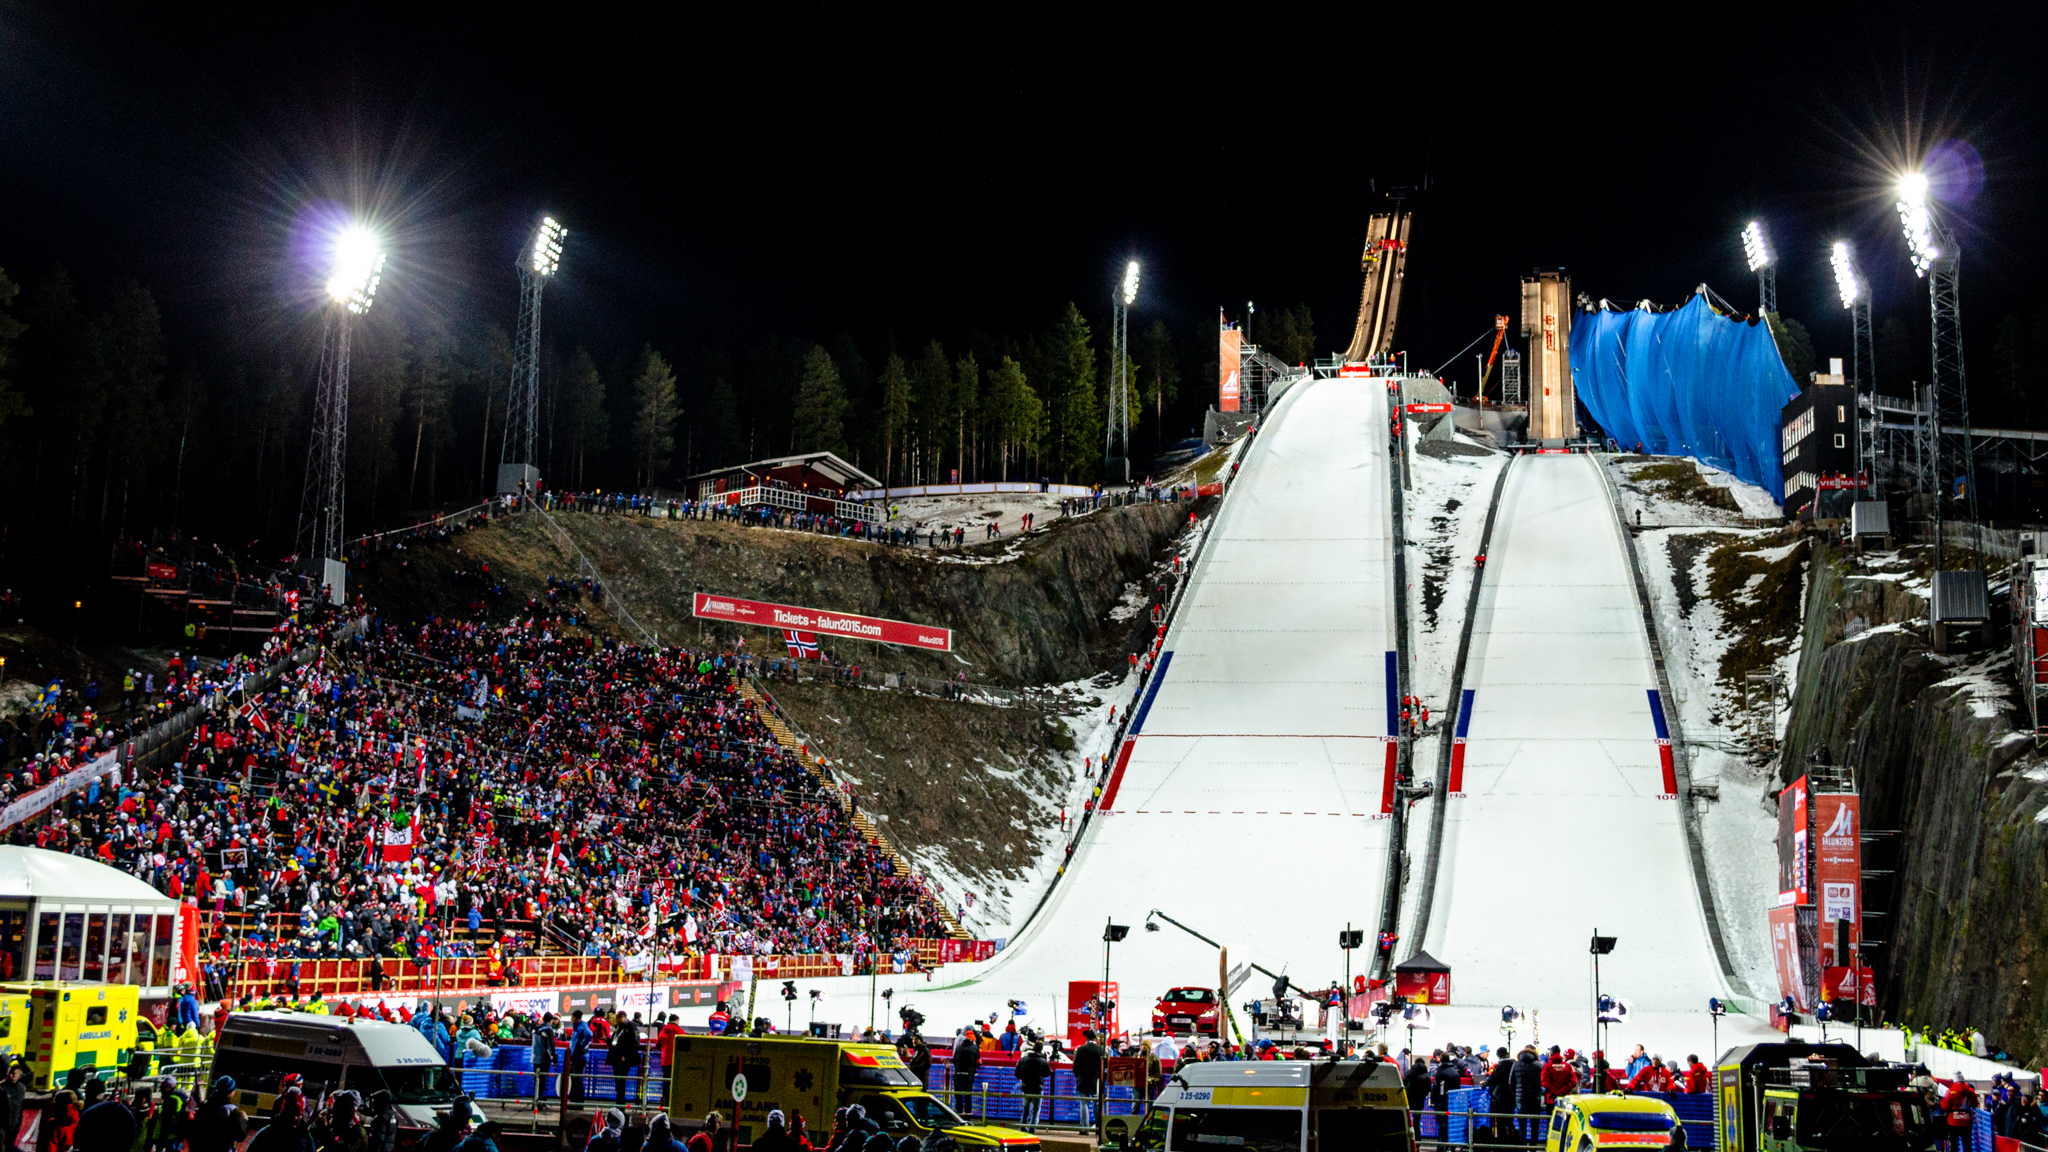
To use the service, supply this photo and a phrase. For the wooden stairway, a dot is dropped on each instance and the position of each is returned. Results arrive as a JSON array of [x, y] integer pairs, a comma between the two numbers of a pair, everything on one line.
[[865, 824]]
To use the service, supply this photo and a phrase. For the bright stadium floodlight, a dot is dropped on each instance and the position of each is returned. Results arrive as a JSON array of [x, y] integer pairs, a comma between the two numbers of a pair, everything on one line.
[[358, 269], [1846, 281], [1918, 222], [1756, 246], [1130, 282], [546, 257]]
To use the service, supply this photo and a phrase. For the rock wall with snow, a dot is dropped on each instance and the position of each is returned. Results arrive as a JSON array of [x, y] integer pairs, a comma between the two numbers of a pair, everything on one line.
[[1953, 791]]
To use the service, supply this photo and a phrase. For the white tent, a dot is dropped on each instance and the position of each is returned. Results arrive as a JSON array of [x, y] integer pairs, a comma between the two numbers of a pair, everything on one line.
[[65, 917]]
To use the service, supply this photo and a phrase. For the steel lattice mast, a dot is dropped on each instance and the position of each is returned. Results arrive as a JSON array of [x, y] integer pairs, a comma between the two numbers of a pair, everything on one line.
[[517, 468], [1756, 247], [1116, 447], [1872, 467], [1936, 257], [358, 270]]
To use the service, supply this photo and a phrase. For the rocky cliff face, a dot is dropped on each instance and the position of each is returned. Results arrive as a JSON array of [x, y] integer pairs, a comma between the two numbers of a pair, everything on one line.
[[1952, 792]]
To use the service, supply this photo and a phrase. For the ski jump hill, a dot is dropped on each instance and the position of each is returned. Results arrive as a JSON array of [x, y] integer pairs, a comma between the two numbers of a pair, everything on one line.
[[1250, 801], [1250, 805]]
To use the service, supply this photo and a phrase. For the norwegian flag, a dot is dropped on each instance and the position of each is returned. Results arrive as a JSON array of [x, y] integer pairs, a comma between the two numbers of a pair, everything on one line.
[[802, 645]]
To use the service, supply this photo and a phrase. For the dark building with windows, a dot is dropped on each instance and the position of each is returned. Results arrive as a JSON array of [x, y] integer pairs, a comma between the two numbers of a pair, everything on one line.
[[1817, 433]]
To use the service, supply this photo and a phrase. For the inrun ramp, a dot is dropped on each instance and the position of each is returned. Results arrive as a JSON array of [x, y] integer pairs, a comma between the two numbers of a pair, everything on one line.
[[1249, 801], [1561, 817]]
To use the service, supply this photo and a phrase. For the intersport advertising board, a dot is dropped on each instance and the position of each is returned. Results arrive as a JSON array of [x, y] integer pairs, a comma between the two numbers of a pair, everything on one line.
[[824, 622]]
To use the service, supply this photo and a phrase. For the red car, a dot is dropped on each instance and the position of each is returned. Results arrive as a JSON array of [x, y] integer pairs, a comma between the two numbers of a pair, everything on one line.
[[1187, 1011]]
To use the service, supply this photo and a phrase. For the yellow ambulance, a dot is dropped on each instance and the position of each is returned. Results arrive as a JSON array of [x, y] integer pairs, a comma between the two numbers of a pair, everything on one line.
[[73, 1025], [744, 1079]]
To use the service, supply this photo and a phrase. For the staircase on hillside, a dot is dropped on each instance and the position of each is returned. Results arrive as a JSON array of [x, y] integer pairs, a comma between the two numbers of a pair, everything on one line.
[[786, 736]]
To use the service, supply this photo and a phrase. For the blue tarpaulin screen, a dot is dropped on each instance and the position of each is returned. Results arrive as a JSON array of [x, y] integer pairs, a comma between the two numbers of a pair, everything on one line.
[[1690, 382]]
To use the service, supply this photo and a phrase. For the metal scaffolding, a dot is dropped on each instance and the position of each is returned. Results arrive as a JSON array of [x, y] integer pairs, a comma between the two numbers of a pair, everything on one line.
[[1956, 454], [321, 512]]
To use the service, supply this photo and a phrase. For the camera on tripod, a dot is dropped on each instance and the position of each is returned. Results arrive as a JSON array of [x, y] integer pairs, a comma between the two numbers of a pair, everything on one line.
[[913, 1020]]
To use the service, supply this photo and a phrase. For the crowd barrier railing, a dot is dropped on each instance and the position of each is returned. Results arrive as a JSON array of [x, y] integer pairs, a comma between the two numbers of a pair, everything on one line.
[[248, 977]]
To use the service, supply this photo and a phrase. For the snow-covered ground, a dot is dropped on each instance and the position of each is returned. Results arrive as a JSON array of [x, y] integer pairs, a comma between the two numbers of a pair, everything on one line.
[[1755, 502], [1273, 710], [1567, 824], [1269, 718], [1652, 509], [1739, 831], [1446, 517]]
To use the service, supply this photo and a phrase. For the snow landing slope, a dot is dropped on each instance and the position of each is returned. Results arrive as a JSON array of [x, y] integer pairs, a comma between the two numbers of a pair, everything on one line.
[[1249, 806], [1566, 823]]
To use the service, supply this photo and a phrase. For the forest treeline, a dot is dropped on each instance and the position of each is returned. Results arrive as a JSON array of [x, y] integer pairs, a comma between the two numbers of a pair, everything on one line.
[[112, 428]]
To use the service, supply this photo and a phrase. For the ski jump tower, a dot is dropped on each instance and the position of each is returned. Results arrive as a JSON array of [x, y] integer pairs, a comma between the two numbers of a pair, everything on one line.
[[1384, 263], [1547, 325]]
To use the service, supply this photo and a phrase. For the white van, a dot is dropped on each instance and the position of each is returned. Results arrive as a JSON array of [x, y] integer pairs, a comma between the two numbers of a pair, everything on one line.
[[330, 1053]]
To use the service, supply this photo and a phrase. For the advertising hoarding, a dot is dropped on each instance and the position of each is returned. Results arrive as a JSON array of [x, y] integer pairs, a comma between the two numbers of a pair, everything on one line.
[[845, 625]]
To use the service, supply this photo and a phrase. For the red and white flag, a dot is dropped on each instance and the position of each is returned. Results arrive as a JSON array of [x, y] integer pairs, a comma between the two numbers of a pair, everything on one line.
[[802, 645], [398, 836]]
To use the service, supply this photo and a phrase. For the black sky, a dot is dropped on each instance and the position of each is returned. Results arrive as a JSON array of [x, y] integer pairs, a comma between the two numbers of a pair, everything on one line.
[[817, 169]]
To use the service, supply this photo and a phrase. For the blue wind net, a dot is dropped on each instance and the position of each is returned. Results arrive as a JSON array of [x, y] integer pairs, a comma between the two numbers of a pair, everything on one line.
[[1691, 382]]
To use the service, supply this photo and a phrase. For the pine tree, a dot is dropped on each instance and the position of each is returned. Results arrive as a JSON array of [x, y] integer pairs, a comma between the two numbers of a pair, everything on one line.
[[820, 405], [895, 413], [931, 382], [1017, 415], [1159, 381], [1069, 378], [654, 419], [589, 427], [966, 401], [1795, 347]]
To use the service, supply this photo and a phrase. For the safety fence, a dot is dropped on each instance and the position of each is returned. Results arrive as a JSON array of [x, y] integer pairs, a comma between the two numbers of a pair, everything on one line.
[[1466, 1120], [1045, 487], [590, 572], [990, 1094], [795, 500], [433, 523]]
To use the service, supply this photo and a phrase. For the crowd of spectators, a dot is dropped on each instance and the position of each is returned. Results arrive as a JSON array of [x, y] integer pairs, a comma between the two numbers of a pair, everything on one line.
[[417, 782], [70, 725]]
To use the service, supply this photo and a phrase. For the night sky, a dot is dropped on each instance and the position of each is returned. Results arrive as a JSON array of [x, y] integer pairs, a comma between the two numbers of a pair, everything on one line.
[[812, 170]]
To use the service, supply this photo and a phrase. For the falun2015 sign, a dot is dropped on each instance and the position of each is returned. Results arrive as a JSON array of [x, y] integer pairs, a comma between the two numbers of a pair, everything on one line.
[[844, 624]]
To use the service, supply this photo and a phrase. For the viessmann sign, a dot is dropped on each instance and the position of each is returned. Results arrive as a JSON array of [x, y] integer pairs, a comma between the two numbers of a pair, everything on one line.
[[738, 611]]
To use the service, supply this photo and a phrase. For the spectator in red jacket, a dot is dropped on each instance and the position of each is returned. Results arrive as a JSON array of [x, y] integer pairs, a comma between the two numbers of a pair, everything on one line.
[[1959, 1107], [1559, 1079], [1697, 1077], [1654, 1077]]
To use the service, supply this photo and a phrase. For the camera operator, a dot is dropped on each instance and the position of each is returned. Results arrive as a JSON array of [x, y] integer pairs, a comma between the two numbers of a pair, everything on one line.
[[912, 1049]]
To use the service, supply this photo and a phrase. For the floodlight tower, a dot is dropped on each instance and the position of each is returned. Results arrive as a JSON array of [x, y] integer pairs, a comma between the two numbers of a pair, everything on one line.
[[1116, 448], [357, 270], [1756, 246], [1855, 293], [1936, 257], [538, 260]]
